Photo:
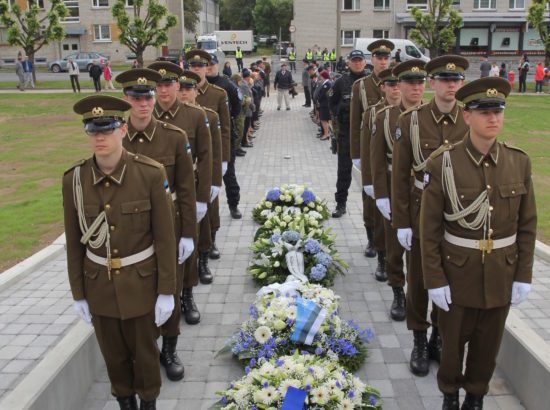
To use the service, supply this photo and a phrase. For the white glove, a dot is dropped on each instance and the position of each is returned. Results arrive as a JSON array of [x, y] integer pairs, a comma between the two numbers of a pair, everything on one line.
[[383, 205], [185, 247], [520, 290], [369, 190], [201, 210], [356, 163], [83, 310], [224, 167], [404, 235], [214, 192], [163, 309], [441, 297]]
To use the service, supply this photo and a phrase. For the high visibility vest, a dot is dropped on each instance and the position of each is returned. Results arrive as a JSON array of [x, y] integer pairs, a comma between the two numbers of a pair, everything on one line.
[[326, 57], [309, 55], [239, 54], [319, 54], [333, 56], [292, 56]]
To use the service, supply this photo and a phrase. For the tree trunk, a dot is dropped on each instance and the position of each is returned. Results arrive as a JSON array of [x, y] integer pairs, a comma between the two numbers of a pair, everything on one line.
[[139, 57], [434, 52], [31, 59]]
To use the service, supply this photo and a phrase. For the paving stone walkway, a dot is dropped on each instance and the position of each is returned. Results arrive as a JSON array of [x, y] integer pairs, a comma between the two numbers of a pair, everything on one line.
[[36, 312]]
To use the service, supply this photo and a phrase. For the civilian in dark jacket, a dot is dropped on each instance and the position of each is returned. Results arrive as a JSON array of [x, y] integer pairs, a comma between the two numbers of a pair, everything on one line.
[[95, 74], [283, 81], [227, 69], [323, 99], [306, 83]]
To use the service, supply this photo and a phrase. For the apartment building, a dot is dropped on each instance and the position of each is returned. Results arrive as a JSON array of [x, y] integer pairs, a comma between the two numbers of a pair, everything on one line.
[[495, 27]]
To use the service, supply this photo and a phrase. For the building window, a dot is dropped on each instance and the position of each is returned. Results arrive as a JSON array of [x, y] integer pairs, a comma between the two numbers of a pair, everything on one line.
[[102, 32], [100, 3], [39, 3], [349, 36], [421, 4], [484, 4], [381, 33], [518, 4], [74, 14], [351, 5], [3, 35], [455, 5], [129, 3], [381, 4]]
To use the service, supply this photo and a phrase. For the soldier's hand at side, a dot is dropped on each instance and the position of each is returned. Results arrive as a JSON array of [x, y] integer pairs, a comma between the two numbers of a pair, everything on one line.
[[163, 309], [224, 167], [383, 205], [214, 192], [441, 297], [369, 190], [83, 310], [356, 163], [520, 290], [201, 210], [404, 235], [185, 248]]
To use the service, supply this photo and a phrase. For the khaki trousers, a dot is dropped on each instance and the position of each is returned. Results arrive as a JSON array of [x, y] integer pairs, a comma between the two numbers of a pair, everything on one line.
[[280, 95]]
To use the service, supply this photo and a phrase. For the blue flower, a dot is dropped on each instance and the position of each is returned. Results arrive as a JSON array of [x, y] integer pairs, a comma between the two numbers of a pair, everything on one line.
[[224, 399], [266, 383], [372, 400], [312, 246], [351, 394], [275, 237], [279, 362], [308, 387], [291, 236], [308, 196], [247, 370], [318, 272], [323, 258], [318, 351], [253, 312], [273, 195], [252, 362], [231, 386]]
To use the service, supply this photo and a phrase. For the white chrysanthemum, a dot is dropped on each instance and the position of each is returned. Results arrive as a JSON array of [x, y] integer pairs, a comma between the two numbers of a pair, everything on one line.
[[267, 369], [320, 395], [318, 372], [285, 384], [292, 312], [345, 404], [262, 334], [269, 395], [358, 385], [332, 386]]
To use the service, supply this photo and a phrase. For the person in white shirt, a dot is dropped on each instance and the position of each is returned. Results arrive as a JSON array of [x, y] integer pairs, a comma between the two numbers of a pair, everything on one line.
[[494, 70], [72, 67]]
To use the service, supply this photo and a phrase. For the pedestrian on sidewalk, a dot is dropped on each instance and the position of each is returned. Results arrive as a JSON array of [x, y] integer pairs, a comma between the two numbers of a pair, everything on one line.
[[324, 96], [108, 75], [239, 58], [485, 67], [27, 69], [523, 70], [267, 70], [249, 107], [283, 80], [95, 74], [73, 70], [306, 83], [122, 268], [494, 70], [227, 69], [539, 77], [20, 72]]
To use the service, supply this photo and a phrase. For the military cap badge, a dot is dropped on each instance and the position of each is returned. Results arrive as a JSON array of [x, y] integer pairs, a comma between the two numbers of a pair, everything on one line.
[[162, 72], [492, 92], [451, 66], [142, 80], [415, 69], [97, 111]]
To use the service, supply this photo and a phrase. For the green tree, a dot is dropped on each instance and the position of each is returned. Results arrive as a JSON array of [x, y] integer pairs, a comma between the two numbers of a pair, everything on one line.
[[33, 28], [191, 14], [237, 14], [140, 32], [435, 28], [535, 18], [269, 15]]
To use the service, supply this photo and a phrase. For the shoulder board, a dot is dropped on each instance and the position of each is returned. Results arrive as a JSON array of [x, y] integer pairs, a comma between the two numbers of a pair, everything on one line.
[[441, 150], [216, 87], [169, 126], [508, 145], [78, 163], [359, 80], [142, 159], [192, 105], [384, 108], [418, 107], [210, 110]]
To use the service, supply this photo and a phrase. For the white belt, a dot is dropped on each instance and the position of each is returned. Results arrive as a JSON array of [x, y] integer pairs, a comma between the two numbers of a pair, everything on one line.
[[419, 184], [174, 196], [389, 167], [487, 245], [117, 263]]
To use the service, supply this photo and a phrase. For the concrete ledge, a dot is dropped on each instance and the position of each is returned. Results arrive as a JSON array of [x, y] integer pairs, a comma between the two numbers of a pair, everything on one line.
[[524, 358], [23, 268], [63, 378]]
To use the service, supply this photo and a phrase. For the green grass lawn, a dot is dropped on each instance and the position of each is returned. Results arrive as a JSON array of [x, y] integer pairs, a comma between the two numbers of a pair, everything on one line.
[[40, 137]]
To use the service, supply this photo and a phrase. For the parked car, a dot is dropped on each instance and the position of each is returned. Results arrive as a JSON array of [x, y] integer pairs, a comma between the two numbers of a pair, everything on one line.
[[83, 59], [283, 45]]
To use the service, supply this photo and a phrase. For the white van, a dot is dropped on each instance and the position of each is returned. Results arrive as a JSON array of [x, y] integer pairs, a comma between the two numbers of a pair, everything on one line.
[[408, 49]]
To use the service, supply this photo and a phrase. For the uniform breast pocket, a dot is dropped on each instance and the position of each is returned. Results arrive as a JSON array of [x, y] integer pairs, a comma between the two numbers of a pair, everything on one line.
[[428, 147], [91, 212], [511, 197], [137, 215]]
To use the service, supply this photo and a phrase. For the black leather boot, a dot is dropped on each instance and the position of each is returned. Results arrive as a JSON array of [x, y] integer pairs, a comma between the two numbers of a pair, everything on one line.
[[340, 210], [420, 365], [214, 251], [397, 311], [127, 403], [472, 402], [148, 405], [450, 401], [189, 308], [234, 211], [370, 252], [205, 276], [170, 360], [380, 274], [434, 345]]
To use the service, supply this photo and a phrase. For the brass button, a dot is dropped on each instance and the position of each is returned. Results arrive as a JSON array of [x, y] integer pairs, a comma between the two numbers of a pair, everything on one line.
[[107, 184], [135, 209], [446, 141], [167, 117], [445, 122], [491, 208], [107, 206], [136, 157], [448, 257], [488, 186], [115, 251], [140, 140], [461, 196], [117, 272], [486, 165], [513, 192], [112, 228], [426, 145]]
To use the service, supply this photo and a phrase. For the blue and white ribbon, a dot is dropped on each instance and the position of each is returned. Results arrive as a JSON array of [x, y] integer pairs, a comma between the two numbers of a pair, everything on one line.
[[309, 318]]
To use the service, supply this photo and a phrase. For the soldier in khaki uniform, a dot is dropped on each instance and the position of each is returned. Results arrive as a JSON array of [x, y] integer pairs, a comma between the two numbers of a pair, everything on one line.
[[478, 229], [421, 131], [121, 251], [366, 93], [168, 145], [215, 98], [193, 121]]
